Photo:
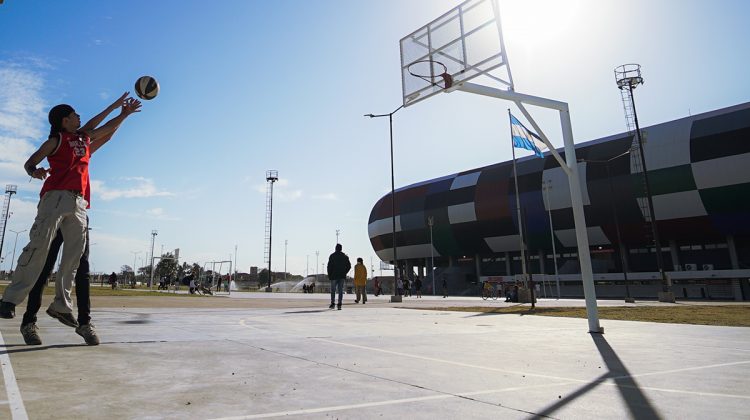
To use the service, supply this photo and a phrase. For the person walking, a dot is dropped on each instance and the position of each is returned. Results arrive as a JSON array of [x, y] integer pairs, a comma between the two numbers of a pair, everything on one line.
[[338, 266], [112, 279], [445, 287], [418, 286], [360, 281]]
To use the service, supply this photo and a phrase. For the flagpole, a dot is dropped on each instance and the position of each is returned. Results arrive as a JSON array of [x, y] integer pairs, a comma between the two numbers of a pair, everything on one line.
[[518, 199]]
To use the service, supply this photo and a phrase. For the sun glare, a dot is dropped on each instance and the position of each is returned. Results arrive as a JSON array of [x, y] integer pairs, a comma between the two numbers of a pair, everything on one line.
[[534, 22]]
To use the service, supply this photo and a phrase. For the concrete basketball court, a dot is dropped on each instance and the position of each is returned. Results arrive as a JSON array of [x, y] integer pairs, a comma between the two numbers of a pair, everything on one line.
[[283, 355]]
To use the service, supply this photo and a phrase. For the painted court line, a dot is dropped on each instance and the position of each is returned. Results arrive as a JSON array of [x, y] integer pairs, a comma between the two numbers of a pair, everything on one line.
[[17, 409], [450, 362], [389, 402], [605, 381]]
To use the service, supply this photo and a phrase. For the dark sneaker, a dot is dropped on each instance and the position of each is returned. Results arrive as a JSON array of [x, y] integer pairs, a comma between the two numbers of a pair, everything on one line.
[[7, 310], [330, 307], [66, 319], [339, 307], [88, 333], [30, 333]]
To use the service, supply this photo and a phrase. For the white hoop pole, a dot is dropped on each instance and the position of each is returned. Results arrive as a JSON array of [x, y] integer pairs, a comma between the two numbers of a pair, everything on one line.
[[584, 256]]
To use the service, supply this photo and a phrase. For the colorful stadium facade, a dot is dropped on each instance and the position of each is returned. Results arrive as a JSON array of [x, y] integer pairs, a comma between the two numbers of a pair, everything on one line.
[[699, 176]]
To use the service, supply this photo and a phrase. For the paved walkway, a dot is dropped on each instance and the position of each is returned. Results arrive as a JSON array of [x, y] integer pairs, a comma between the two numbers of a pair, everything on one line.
[[301, 360]]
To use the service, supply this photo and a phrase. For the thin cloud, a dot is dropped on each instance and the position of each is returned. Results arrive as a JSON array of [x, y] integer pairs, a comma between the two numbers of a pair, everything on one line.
[[326, 196], [21, 117], [21, 103], [156, 213], [281, 191], [138, 187], [159, 214]]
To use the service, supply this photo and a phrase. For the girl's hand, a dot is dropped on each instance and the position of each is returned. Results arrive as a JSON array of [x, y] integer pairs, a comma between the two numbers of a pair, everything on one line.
[[40, 173], [119, 102], [130, 106]]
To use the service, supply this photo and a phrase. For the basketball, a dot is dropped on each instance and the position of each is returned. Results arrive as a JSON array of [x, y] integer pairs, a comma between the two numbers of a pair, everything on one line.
[[146, 88]]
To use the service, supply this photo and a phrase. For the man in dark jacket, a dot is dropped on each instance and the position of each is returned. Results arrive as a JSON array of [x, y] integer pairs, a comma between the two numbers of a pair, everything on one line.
[[338, 266]]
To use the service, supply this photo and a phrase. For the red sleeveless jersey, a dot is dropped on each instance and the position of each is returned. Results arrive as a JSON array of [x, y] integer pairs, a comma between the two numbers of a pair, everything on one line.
[[69, 165]]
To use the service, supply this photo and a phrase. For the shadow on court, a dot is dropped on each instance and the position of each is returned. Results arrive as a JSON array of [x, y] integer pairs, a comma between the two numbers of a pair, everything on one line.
[[635, 400]]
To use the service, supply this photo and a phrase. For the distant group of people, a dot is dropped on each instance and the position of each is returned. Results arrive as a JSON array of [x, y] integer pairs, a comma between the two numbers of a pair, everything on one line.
[[199, 287], [408, 287], [308, 288], [338, 267]]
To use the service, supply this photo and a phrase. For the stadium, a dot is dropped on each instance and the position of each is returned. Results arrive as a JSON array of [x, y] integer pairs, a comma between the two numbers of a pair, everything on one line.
[[698, 169]]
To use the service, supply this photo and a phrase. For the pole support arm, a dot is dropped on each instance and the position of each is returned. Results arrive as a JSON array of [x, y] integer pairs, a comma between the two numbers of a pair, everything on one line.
[[519, 99]]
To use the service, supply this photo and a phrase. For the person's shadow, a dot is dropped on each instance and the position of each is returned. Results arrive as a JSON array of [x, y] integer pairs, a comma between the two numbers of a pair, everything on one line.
[[636, 402], [23, 348]]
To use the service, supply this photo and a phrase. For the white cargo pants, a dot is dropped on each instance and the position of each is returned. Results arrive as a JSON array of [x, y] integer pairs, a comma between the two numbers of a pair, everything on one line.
[[58, 209]]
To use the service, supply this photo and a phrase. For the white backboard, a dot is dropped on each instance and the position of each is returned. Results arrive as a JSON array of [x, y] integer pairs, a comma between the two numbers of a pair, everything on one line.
[[467, 40]]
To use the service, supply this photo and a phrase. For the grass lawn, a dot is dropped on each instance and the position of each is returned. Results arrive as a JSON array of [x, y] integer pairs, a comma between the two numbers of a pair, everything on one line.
[[730, 315]]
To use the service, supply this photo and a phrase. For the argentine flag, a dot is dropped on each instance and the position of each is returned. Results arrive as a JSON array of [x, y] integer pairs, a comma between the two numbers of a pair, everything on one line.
[[525, 139]]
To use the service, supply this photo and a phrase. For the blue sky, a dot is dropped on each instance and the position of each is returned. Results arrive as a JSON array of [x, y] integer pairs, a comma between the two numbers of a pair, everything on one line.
[[248, 86]]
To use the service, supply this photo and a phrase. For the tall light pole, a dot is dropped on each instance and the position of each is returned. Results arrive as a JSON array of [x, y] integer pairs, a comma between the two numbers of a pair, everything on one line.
[[307, 265], [628, 77], [547, 185], [431, 222], [317, 253], [15, 242], [623, 262], [337, 236], [271, 177], [286, 242], [395, 297]]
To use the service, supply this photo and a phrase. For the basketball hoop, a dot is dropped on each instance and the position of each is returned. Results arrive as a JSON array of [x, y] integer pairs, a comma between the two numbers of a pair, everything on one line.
[[429, 70]]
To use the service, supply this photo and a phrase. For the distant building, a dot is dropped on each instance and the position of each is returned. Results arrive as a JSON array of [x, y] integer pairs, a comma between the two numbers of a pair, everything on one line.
[[699, 173]]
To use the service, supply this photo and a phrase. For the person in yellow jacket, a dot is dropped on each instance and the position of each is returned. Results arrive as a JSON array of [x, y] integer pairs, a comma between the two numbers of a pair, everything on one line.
[[360, 281]]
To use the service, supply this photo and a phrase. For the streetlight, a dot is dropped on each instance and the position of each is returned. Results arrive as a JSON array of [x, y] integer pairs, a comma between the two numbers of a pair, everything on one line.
[[153, 239], [617, 222], [14, 247], [316, 261], [395, 297], [9, 190]]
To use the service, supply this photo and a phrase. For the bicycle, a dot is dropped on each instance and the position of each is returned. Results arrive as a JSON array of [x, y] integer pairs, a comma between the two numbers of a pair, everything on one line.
[[488, 291]]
